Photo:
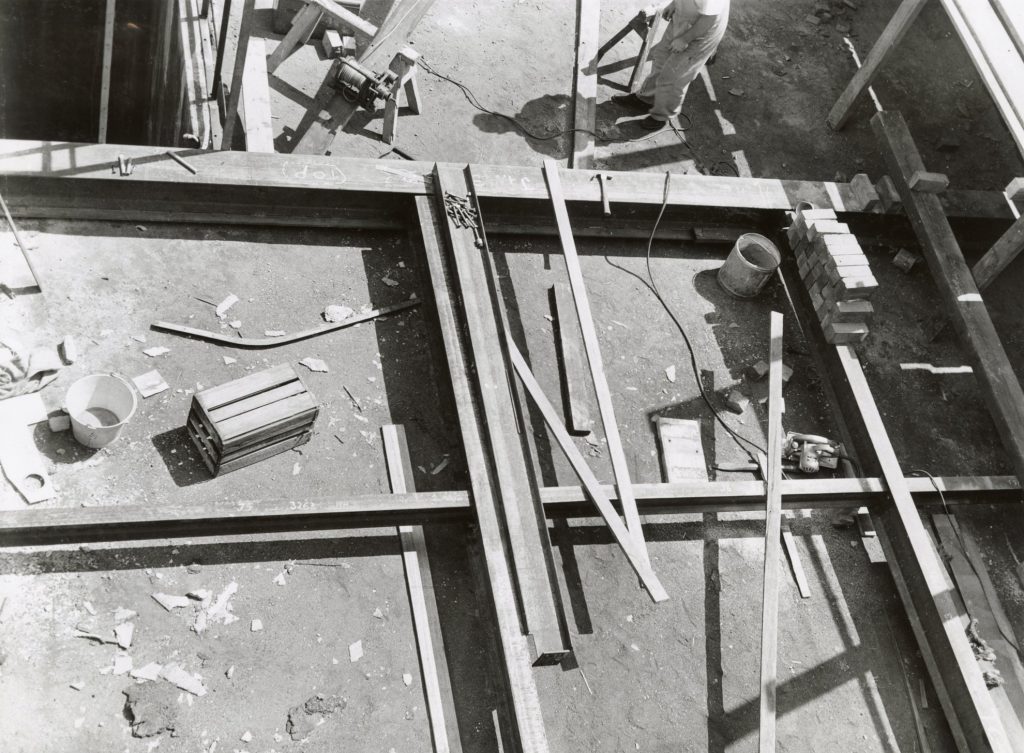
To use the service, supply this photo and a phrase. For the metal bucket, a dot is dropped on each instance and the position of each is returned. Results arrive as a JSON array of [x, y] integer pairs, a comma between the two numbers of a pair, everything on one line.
[[752, 261]]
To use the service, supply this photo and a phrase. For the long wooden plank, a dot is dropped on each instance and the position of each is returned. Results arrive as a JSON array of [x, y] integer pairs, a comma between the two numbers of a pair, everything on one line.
[[91, 162], [959, 293], [238, 70], [593, 350], [525, 731], [425, 620], [573, 367], [259, 127], [590, 483], [520, 502], [909, 551], [977, 606], [976, 48], [120, 522], [303, 24], [998, 258], [108, 55], [1011, 13], [772, 541], [890, 37], [588, 32], [330, 111]]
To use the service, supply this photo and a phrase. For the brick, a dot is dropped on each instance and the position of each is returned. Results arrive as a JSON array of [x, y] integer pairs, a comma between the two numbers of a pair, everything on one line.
[[856, 287], [905, 260], [817, 228], [1015, 189], [852, 311], [864, 194], [888, 195], [838, 245], [845, 334], [736, 401], [923, 181], [795, 236], [757, 371], [850, 260], [806, 216]]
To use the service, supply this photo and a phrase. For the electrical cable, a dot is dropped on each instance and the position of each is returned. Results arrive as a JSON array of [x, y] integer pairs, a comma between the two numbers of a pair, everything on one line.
[[475, 102], [963, 547], [695, 368]]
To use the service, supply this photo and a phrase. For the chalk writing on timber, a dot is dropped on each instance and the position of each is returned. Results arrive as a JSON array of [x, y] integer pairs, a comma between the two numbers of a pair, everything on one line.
[[319, 171]]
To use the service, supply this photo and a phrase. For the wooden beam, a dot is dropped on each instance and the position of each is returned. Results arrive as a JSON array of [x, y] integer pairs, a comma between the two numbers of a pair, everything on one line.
[[525, 729], [586, 476], [588, 32], [1011, 13], [772, 466], [238, 70], [108, 55], [437, 689], [259, 127], [919, 572], [593, 351], [963, 302], [520, 502], [493, 183], [303, 24], [636, 78], [894, 31], [989, 48], [998, 258], [124, 522], [573, 366]]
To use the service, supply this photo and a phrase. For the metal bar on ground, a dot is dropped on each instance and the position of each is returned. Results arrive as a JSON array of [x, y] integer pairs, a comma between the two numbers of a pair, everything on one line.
[[20, 241], [962, 300], [772, 541], [593, 351], [426, 622], [520, 501], [525, 730]]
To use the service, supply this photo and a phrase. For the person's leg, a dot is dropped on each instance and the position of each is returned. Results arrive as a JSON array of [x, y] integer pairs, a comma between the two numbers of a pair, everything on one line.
[[678, 72], [660, 53]]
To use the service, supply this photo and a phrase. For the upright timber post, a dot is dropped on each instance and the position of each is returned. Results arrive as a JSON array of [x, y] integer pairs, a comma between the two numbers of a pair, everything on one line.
[[238, 73], [957, 287], [588, 30], [108, 56], [886, 43], [772, 468]]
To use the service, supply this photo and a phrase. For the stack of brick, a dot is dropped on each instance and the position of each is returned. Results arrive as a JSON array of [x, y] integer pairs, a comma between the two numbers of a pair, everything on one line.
[[836, 273]]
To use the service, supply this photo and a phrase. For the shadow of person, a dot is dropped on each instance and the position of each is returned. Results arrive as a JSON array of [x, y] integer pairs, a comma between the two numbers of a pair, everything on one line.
[[546, 117]]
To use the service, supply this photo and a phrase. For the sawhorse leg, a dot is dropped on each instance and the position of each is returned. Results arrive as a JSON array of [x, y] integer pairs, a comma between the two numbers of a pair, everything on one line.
[[404, 65], [303, 24]]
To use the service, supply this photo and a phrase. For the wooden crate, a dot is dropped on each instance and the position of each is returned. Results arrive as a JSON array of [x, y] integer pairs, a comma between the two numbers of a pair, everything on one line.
[[250, 419]]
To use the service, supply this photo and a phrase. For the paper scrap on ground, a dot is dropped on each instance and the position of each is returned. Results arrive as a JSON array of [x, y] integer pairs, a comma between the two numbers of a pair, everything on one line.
[[150, 672], [256, 625], [236, 323], [122, 664], [222, 308], [175, 675], [389, 282], [274, 332], [170, 602], [158, 350], [150, 383], [355, 651], [407, 679], [89, 607], [123, 633], [228, 360], [314, 364], [337, 313], [121, 614], [670, 373]]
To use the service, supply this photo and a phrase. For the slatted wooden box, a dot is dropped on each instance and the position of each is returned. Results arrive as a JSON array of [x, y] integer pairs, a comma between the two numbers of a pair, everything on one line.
[[250, 419]]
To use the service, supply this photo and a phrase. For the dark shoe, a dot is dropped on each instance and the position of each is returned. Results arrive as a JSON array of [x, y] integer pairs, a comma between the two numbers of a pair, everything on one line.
[[650, 123], [631, 102]]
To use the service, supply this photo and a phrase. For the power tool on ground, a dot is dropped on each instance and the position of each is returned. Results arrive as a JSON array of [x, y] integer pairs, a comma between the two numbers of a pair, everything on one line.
[[359, 84], [811, 452]]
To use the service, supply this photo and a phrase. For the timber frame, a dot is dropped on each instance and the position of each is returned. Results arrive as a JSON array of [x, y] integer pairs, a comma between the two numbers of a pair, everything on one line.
[[58, 180]]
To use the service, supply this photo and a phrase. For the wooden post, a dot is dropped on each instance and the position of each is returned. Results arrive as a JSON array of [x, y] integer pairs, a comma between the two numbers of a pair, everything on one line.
[[222, 43], [772, 467], [998, 258], [303, 24], [259, 125], [237, 74], [956, 286], [588, 31], [593, 350], [573, 362], [637, 77], [108, 54], [886, 43], [425, 620], [404, 66]]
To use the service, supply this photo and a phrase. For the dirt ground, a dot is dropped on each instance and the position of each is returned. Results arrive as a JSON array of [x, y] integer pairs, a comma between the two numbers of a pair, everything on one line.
[[676, 676]]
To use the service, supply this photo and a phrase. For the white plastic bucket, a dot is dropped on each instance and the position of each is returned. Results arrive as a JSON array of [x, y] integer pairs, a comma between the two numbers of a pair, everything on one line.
[[99, 406], [752, 261]]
